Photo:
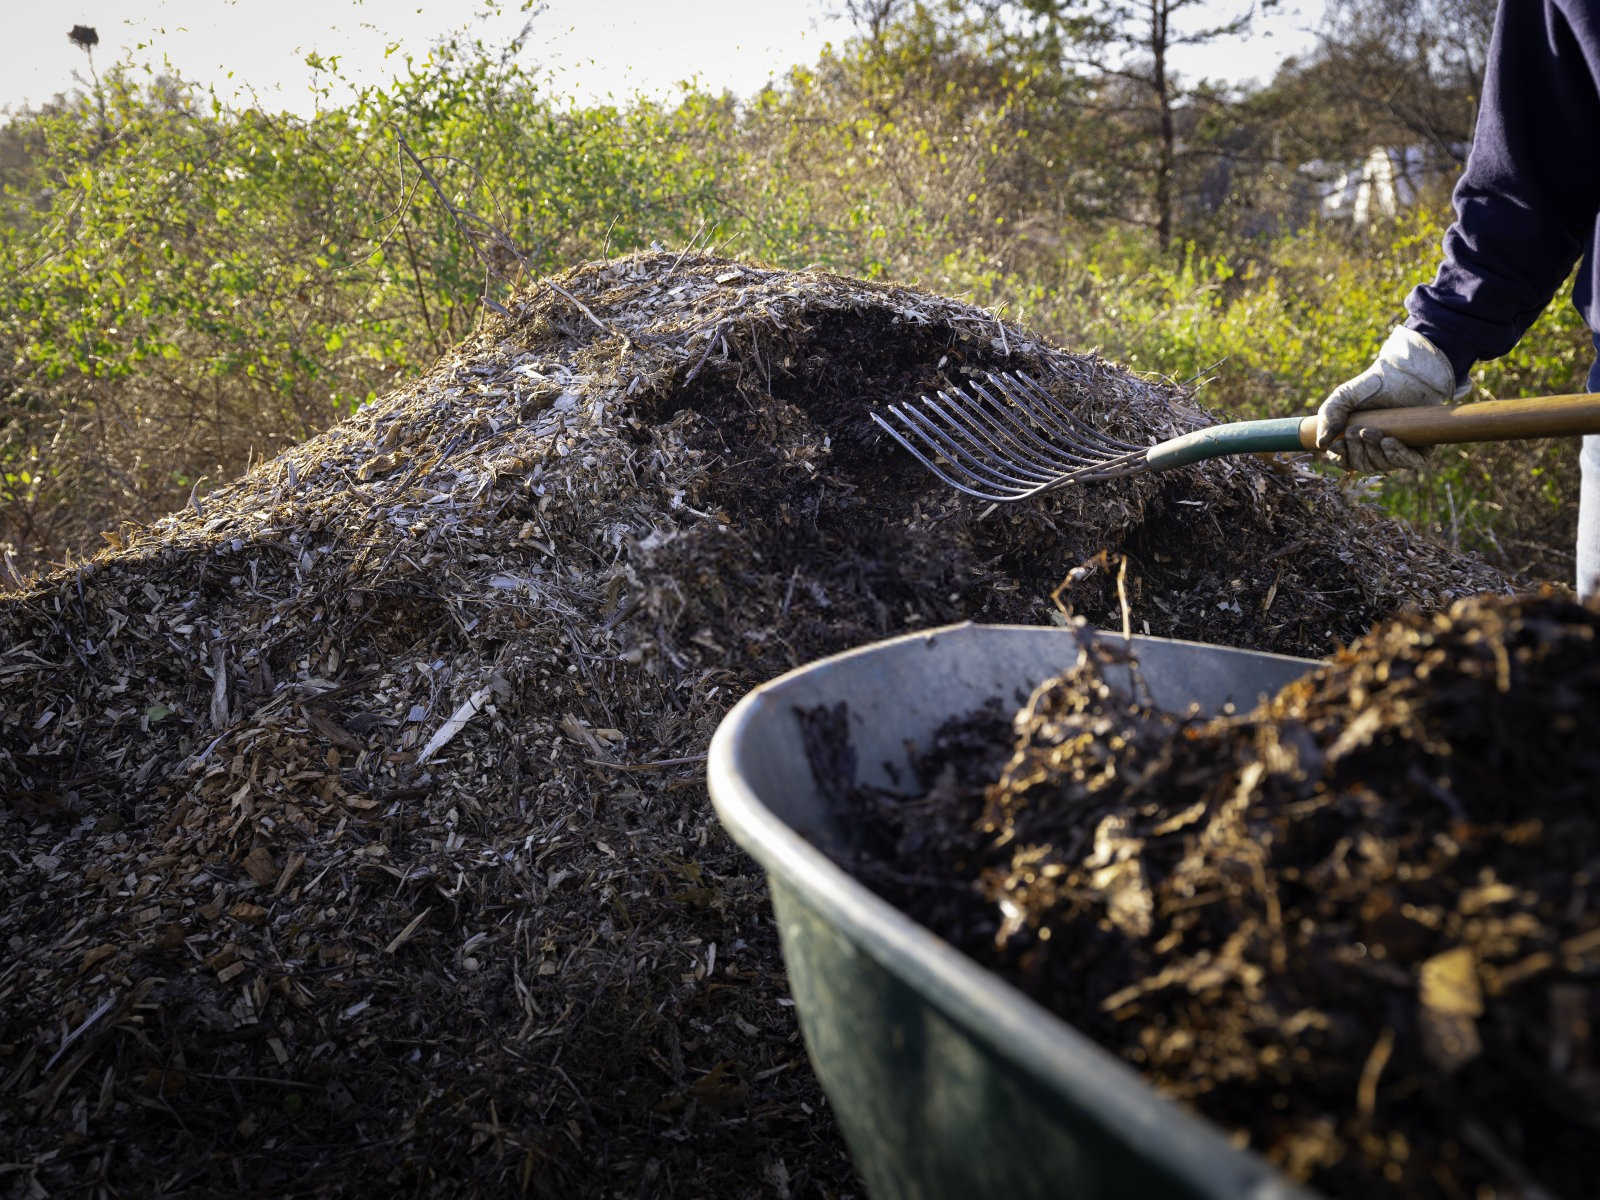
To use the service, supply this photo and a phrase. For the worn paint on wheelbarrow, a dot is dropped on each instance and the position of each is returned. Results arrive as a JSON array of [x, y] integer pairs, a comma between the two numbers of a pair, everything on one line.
[[947, 1081]]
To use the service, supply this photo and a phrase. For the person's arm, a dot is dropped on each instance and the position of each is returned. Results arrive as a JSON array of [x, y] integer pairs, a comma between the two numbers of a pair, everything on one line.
[[1525, 208], [1526, 203]]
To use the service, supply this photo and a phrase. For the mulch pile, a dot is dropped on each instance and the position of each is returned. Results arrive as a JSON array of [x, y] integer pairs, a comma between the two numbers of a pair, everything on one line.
[[353, 821], [1357, 926]]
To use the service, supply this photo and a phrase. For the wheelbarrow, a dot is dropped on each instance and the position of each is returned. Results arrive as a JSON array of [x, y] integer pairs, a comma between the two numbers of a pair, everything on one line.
[[946, 1080]]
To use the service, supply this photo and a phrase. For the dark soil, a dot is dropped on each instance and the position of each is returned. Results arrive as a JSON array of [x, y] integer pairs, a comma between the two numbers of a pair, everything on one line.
[[1357, 926]]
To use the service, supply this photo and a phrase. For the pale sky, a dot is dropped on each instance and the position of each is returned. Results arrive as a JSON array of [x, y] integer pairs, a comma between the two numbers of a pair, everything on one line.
[[596, 47]]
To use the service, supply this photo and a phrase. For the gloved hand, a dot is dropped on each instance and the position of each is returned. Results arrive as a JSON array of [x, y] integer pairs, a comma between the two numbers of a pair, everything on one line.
[[1409, 371]]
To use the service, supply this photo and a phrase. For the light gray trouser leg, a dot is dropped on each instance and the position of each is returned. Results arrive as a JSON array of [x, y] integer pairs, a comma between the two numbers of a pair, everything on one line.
[[1589, 519]]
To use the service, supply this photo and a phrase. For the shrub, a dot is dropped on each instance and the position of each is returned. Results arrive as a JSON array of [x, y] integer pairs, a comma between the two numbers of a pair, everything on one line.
[[185, 286]]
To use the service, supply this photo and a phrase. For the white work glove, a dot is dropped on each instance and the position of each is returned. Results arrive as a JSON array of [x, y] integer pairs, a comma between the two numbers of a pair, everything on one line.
[[1409, 371]]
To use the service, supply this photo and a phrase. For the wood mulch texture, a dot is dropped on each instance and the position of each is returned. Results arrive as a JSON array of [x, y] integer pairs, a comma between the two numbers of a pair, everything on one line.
[[353, 819]]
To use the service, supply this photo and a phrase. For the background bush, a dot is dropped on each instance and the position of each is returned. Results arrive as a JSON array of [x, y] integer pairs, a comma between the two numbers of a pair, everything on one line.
[[186, 285]]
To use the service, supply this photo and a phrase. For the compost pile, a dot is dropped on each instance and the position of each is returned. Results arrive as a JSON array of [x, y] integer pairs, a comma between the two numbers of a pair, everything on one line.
[[1357, 926], [353, 822]]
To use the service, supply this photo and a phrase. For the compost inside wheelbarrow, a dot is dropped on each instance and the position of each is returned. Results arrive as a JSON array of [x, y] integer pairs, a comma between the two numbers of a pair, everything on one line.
[[1355, 926]]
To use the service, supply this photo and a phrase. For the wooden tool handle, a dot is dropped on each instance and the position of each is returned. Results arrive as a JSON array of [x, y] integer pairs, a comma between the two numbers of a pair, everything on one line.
[[1486, 421]]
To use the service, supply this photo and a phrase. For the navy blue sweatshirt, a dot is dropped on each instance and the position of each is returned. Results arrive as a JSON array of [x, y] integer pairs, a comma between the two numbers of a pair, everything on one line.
[[1527, 203]]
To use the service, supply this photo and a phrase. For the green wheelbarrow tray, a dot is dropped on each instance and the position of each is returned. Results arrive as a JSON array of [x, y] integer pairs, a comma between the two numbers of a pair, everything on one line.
[[947, 1081]]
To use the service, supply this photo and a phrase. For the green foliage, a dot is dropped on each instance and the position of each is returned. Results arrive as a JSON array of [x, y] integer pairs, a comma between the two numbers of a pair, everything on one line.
[[185, 285]]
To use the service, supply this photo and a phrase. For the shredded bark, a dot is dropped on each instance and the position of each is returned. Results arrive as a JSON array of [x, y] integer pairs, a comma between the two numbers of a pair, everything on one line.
[[1357, 926], [353, 817]]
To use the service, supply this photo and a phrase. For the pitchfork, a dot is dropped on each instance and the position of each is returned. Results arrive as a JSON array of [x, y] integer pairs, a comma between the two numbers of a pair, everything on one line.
[[1009, 439]]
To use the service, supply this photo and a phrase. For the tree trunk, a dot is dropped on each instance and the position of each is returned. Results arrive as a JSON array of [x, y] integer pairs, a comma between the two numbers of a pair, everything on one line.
[[1160, 15]]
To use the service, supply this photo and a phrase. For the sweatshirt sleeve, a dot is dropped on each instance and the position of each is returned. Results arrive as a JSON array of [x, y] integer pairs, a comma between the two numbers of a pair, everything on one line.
[[1527, 200]]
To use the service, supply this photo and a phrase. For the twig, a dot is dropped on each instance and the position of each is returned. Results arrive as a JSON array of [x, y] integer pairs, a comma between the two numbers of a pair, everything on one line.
[[688, 246], [658, 765], [1122, 598], [10, 561], [1199, 378], [788, 593], [461, 216], [497, 306], [1367, 1088], [401, 938], [1282, 551], [470, 708], [711, 342], [584, 309], [194, 498], [106, 1006], [293, 1084]]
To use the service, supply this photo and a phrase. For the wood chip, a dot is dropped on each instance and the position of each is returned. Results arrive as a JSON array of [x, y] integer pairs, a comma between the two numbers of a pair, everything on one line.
[[259, 866], [550, 547]]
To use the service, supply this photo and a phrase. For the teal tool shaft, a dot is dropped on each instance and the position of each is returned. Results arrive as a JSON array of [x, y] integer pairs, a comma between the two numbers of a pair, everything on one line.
[[1236, 437]]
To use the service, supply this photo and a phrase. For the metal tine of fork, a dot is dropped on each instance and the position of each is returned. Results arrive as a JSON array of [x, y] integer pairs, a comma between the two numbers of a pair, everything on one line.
[[1131, 463], [968, 458], [935, 468], [1022, 422], [1015, 383], [972, 452], [1003, 433], [985, 472], [1009, 447], [1089, 455], [1021, 389], [1104, 457], [1062, 450]]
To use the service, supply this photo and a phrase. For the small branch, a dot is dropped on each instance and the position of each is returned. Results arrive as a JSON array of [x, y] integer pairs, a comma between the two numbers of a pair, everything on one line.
[[658, 765], [469, 708], [461, 217], [584, 309]]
